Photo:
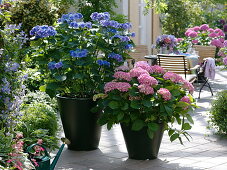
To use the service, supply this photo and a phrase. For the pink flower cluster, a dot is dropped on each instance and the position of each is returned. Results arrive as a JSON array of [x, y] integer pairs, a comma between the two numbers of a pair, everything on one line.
[[122, 75], [187, 85], [136, 72], [157, 69], [122, 68], [147, 79], [121, 86], [185, 99], [225, 61], [165, 93], [173, 77], [146, 89], [214, 36], [144, 65]]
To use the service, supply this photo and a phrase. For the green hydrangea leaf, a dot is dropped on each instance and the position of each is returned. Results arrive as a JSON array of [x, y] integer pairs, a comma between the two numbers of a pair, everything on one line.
[[113, 105], [186, 126], [189, 118], [153, 126], [137, 125], [174, 137], [150, 133]]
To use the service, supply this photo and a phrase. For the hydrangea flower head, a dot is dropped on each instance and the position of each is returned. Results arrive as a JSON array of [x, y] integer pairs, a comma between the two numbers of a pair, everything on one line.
[[173, 77], [147, 79], [136, 72], [157, 69], [165, 93], [144, 65], [146, 89], [122, 75], [204, 27]]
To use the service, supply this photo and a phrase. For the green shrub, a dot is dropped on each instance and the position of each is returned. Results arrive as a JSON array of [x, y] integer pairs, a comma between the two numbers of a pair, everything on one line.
[[218, 113], [31, 13], [38, 116]]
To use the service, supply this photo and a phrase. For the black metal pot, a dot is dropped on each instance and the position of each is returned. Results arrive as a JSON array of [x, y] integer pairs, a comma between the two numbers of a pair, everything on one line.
[[139, 145], [79, 123]]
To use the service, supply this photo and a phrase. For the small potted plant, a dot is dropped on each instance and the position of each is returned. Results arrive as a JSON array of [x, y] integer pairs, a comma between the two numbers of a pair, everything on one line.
[[166, 43], [146, 100], [76, 59]]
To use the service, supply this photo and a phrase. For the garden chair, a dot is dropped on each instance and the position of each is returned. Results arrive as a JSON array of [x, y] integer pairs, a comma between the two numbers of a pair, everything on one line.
[[177, 64], [137, 55], [206, 71], [205, 52]]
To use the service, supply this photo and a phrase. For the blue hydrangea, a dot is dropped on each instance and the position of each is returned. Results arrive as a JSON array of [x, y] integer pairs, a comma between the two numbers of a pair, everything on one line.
[[79, 53], [53, 65], [122, 38], [115, 56], [133, 34], [70, 17], [43, 31], [95, 16], [103, 63], [126, 26], [80, 24], [128, 46]]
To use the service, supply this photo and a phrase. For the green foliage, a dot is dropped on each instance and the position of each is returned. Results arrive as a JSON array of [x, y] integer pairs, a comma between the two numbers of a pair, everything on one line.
[[31, 13], [218, 113], [38, 116], [179, 15], [87, 7], [62, 5], [5, 146]]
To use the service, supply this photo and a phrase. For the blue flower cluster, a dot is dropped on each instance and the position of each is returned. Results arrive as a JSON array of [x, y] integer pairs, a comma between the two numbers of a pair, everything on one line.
[[115, 24], [79, 53], [43, 31], [129, 46], [80, 24], [95, 16], [115, 56], [6, 86], [103, 63], [53, 65], [70, 17], [12, 66], [121, 37]]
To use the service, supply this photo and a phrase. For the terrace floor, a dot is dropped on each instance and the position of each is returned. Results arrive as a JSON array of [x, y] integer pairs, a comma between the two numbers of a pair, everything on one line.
[[205, 151]]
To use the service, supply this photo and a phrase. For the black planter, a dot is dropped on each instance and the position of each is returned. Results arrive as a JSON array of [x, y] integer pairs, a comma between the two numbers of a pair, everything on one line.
[[139, 145], [79, 123]]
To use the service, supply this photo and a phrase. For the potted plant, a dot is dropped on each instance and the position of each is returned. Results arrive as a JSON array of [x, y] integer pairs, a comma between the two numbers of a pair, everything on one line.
[[76, 58], [166, 43], [146, 100]]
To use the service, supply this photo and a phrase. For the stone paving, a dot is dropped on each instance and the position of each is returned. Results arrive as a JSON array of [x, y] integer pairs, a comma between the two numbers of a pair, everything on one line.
[[205, 151]]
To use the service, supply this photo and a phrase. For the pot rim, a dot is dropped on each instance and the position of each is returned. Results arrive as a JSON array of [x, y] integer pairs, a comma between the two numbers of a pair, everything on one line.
[[64, 97]]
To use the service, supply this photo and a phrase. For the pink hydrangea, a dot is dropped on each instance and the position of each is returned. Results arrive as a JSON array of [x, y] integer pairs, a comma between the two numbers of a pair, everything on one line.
[[217, 30], [187, 85], [196, 28], [122, 75], [173, 77], [144, 65], [157, 69], [221, 34], [19, 135], [146, 89], [195, 41], [147, 79], [204, 27], [213, 35], [225, 43], [40, 141], [121, 86], [188, 31], [185, 99], [165, 93], [179, 39], [210, 30], [217, 43], [122, 68], [136, 72], [222, 40], [225, 61], [193, 34]]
